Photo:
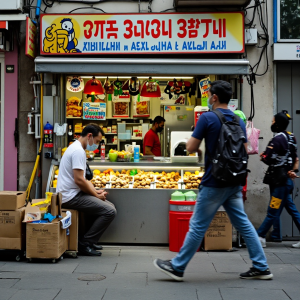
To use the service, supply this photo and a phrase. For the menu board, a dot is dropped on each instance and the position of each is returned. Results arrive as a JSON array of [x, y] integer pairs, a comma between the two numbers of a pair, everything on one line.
[[94, 111]]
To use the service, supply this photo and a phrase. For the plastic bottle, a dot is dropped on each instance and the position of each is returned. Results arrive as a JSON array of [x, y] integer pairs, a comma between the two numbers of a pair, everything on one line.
[[102, 152], [136, 153], [48, 135]]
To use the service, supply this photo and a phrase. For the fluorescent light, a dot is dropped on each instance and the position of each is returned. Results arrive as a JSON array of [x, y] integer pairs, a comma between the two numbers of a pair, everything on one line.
[[140, 77]]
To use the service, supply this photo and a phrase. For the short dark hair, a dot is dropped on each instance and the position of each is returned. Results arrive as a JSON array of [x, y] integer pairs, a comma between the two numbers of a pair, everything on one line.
[[222, 89], [92, 128], [158, 119]]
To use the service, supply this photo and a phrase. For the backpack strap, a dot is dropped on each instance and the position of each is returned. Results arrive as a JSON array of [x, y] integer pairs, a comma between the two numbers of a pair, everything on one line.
[[222, 118]]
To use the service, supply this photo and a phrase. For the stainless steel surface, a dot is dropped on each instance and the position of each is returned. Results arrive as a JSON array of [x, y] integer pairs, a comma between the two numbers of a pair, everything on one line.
[[142, 66], [172, 123], [198, 3]]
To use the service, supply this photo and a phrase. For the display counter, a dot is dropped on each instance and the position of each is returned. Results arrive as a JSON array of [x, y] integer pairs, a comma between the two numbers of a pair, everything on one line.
[[142, 202]]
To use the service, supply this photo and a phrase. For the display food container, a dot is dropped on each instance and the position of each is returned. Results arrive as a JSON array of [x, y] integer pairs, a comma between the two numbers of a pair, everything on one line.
[[177, 196], [190, 196]]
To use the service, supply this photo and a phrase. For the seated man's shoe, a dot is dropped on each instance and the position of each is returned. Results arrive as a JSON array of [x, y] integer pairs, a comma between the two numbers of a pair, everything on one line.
[[97, 247], [88, 251]]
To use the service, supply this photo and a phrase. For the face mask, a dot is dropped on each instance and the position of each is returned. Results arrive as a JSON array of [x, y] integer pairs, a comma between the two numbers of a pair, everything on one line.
[[92, 147], [274, 128], [159, 129], [210, 106]]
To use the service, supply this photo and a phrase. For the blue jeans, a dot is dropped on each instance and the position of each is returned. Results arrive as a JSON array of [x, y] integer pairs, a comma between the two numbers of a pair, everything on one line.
[[208, 201], [280, 197]]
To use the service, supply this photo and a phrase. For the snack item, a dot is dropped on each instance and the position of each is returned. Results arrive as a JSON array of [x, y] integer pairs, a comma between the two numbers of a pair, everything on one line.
[[73, 107]]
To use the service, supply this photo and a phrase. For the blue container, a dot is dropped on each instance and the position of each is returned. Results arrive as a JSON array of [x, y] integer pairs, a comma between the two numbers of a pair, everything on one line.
[[121, 127], [136, 153]]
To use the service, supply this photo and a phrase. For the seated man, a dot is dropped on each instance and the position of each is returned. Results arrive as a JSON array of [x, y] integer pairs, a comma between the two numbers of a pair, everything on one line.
[[80, 194]]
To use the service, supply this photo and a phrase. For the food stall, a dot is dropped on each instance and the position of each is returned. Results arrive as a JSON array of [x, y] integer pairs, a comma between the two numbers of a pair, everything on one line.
[[132, 91]]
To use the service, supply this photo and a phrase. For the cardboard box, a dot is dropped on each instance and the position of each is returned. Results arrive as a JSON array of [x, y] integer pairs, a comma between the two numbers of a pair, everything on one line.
[[47, 240], [12, 200], [56, 201], [12, 231], [219, 233], [73, 230]]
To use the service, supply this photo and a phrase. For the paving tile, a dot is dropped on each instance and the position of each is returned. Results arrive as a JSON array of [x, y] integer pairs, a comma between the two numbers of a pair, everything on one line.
[[271, 259], [7, 283], [6, 294], [66, 265], [250, 294], [85, 292], [12, 275], [96, 268], [128, 267], [47, 280], [288, 258], [122, 280], [35, 294], [293, 293], [149, 294]]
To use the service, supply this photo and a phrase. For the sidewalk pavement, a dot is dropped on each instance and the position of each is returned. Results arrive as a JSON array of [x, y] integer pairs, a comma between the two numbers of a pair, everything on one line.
[[129, 274]]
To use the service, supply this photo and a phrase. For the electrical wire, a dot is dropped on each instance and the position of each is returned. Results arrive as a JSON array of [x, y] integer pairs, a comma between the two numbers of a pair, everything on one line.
[[89, 7], [251, 78]]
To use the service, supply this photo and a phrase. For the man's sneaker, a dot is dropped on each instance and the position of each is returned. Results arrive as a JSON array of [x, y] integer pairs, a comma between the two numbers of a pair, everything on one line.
[[263, 242], [253, 273], [297, 245], [166, 267]]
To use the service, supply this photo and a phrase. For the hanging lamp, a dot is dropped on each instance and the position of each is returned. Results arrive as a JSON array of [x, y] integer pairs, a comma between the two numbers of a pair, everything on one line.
[[150, 89], [93, 87]]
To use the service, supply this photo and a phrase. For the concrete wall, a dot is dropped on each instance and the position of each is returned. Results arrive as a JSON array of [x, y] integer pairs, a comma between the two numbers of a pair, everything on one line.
[[258, 194]]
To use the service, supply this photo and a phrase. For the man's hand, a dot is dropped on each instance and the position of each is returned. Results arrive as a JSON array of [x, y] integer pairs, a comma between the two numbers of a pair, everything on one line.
[[102, 195], [292, 174]]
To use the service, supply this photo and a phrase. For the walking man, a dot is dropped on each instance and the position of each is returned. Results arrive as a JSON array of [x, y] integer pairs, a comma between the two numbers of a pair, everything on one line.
[[212, 194]]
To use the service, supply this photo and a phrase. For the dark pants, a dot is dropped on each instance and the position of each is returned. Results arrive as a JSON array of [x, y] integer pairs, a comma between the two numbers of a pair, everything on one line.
[[293, 212], [279, 198], [100, 213]]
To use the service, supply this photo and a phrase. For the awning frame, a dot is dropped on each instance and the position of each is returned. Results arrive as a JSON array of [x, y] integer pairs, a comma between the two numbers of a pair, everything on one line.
[[140, 66]]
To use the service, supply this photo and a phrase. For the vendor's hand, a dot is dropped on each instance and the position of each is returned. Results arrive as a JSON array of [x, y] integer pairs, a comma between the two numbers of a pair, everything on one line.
[[292, 174]]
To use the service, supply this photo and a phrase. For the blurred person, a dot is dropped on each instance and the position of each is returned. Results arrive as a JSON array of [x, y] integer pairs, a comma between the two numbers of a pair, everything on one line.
[[281, 152], [151, 140], [212, 194], [78, 193]]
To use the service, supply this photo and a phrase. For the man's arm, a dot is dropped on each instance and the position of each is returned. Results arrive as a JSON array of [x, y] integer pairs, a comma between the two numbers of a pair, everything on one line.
[[193, 145], [148, 150], [86, 186]]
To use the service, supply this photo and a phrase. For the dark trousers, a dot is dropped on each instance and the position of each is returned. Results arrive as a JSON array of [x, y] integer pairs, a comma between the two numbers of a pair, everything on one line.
[[99, 214], [279, 198]]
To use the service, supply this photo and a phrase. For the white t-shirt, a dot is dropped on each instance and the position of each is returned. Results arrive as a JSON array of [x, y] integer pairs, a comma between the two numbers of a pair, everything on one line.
[[73, 158]]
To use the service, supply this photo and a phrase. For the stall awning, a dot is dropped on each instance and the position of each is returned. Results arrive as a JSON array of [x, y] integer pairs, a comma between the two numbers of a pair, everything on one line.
[[141, 66]]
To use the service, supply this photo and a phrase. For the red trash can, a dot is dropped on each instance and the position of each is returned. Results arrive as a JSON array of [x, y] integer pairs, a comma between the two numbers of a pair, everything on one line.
[[179, 217]]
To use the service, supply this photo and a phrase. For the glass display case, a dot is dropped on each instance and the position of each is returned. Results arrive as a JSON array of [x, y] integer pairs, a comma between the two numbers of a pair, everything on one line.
[[143, 208]]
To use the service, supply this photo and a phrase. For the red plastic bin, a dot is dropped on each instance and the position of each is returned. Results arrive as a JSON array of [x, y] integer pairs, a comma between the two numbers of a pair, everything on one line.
[[179, 217]]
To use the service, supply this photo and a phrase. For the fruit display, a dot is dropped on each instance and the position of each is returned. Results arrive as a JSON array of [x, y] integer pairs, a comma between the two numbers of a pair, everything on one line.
[[192, 180], [122, 155], [100, 181]]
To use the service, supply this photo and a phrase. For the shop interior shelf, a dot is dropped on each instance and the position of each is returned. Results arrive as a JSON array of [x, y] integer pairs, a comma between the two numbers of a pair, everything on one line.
[[110, 133], [74, 117], [111, 144]]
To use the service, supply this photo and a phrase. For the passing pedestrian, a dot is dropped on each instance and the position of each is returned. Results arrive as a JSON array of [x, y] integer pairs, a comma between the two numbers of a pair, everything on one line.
[[212, 193], [281, 157]]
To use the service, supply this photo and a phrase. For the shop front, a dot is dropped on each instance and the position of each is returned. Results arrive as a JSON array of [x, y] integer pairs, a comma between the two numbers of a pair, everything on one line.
[[157, 69]]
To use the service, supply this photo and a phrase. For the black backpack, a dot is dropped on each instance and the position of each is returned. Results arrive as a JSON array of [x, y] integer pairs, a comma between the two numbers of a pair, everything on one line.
[[230, 160]]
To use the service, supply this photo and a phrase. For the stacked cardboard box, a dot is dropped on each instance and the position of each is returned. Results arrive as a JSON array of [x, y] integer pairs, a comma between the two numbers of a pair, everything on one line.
[[46, 240], [12, 231]]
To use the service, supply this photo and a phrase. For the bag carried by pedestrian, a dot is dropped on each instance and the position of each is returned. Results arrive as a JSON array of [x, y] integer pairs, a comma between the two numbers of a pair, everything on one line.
[[252, 137], [275, 176], [230, 160]]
